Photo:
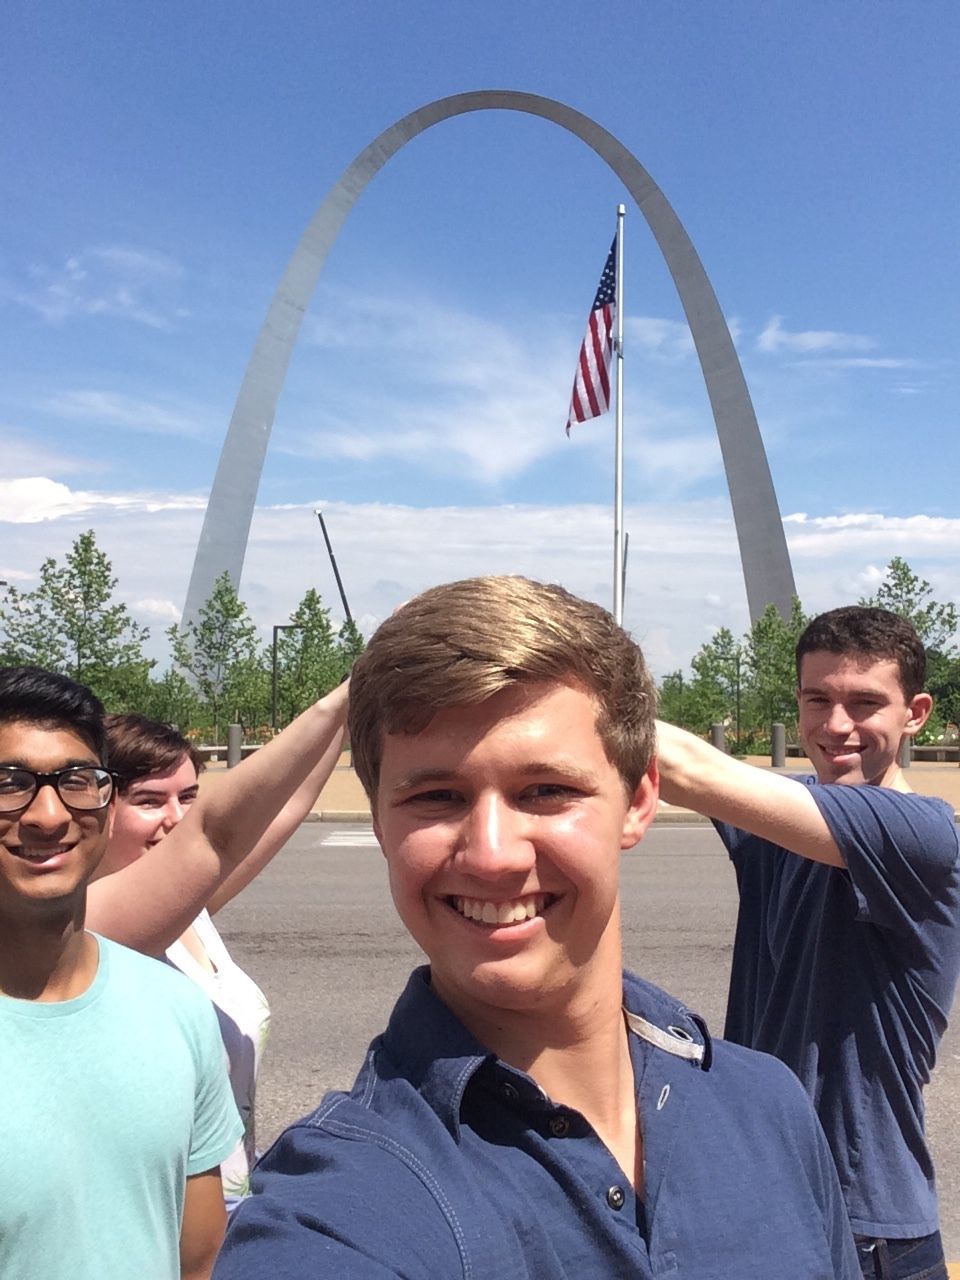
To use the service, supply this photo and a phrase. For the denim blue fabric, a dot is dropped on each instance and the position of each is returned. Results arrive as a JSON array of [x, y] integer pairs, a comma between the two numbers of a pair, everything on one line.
[[847, 976], [446, 1162], [920, 1259]]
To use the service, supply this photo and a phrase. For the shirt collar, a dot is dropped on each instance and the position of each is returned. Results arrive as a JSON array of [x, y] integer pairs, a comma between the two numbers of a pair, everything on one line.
[[433, 1048], [440, 1057], [665, 1023]]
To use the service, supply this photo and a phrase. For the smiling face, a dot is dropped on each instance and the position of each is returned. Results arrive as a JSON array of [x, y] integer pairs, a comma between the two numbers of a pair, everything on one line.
[[853, 714], [147, 811], [48, 852], [502, 824]]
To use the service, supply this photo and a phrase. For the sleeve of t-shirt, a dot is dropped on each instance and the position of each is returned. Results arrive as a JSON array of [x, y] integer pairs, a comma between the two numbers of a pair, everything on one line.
[[736, 840], [217, 1127], [732, 837], [901, 851]]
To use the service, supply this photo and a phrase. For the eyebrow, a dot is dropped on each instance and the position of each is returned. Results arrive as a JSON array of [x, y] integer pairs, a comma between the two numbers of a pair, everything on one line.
[[866, 691], [565, 770], [149, 789], [20, 762]]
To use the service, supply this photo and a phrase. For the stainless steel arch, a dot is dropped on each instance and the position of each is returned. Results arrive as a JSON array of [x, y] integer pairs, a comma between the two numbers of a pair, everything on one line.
[[763, 549]]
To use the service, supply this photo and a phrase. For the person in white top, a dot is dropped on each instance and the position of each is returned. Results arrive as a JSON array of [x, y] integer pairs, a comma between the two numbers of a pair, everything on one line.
[[158, 773], [156, 900], [224, 839]]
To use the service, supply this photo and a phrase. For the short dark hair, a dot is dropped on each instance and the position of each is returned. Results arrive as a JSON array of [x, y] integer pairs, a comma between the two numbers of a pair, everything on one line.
[[140, 747], [457, 645], [862, 631], [49, 700]]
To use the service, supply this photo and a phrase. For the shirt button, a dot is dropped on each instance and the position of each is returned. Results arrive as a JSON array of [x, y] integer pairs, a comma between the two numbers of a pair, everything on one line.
[[510, 1092], [560, 1126], [615, 1197]]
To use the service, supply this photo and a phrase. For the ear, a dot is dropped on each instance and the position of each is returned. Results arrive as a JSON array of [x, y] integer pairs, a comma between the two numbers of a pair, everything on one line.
[[643, 807], [921, 705]]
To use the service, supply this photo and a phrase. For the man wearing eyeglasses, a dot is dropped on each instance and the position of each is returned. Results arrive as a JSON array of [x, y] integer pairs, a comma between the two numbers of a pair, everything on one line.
[[116, 1106]]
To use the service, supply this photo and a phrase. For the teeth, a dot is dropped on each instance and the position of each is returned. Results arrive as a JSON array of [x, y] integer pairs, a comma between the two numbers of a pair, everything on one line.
[[503, 912]]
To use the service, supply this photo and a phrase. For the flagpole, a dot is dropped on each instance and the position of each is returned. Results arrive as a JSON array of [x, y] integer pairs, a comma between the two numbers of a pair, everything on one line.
[[618, 561]]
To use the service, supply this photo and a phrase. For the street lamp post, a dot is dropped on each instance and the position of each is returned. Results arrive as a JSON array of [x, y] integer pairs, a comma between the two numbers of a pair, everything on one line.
[[278, 627]]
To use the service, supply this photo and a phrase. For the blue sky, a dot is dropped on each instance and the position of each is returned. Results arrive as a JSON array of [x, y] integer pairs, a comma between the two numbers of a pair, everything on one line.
[[160, 163]]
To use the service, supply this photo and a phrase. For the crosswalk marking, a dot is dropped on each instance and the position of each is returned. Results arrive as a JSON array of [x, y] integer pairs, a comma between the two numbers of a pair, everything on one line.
[[350, 837]]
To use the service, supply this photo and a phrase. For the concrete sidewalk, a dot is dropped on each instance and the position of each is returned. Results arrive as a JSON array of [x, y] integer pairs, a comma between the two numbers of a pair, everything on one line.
[[343, 800]]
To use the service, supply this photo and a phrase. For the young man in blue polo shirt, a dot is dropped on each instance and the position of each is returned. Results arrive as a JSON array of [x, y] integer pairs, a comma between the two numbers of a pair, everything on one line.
[[848, 939], [531, 1112]]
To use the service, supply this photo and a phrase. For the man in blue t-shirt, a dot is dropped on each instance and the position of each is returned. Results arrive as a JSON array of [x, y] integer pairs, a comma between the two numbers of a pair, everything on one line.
[[116, 1108], [847, 949], [531, 1112]]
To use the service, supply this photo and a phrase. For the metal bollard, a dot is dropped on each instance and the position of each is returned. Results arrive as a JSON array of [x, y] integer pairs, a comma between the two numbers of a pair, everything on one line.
[[778, 746], [234, 741], [906, 753], [718, 738]]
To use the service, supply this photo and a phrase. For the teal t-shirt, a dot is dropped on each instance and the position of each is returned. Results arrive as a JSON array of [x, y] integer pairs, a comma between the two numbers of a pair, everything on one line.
[[109, 1102]]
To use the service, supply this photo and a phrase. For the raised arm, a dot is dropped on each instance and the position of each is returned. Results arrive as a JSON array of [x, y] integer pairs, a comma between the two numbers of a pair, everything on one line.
[[280, 829], [148, 904], [698, 776]]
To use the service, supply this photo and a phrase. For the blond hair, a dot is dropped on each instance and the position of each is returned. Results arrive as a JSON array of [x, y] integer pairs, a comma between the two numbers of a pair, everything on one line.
[[456, 645]]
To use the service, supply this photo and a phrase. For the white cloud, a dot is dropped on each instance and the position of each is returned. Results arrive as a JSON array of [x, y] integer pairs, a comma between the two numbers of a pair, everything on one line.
[[160, 611], [668, 339], [811, 535], [34, 499], [465, 397], [111, 408], [23, 456], [684, 577], [119, 281], [775, 338], [865, 362]]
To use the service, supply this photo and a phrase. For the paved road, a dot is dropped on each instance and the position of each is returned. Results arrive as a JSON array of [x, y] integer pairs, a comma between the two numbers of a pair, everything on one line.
[[319, 933]]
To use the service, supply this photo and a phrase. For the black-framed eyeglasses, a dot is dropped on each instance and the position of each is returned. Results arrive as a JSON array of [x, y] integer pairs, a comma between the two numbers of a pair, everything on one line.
[[79, 786]]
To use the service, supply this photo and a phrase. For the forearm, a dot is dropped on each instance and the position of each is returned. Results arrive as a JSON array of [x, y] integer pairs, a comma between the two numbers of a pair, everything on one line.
[[235, 814], [694, 774], [281, 828], [148, 904], [697, 776]]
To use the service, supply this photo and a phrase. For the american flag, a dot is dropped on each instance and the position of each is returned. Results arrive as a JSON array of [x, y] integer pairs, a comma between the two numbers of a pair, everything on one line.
[[591, 386]]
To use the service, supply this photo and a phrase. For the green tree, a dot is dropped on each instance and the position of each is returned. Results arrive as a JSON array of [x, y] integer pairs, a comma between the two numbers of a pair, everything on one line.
[[246, 698], [350, 645], [70, 623], [905, 592], [711, 695], [172, 699], [309, 661], [221, 652], [671, 700], [770, 648]]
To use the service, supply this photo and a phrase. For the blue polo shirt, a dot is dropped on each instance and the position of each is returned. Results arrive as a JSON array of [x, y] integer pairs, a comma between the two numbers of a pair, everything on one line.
[[445, 1162], [848, 976]]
